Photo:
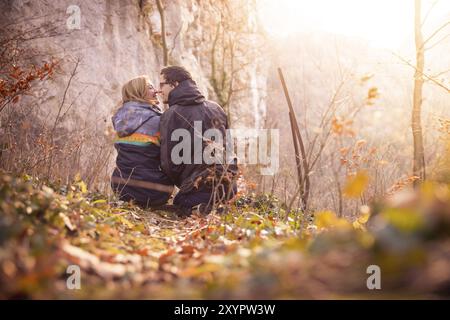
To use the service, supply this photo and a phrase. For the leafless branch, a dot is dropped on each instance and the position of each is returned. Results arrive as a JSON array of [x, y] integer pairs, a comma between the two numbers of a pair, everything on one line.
[[422, 73]]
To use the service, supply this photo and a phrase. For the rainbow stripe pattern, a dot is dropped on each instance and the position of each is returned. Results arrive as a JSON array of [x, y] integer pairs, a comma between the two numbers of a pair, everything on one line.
[[139, 139]]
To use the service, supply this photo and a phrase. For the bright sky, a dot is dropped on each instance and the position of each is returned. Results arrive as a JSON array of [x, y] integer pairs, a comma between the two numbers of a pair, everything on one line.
[[384, 23]]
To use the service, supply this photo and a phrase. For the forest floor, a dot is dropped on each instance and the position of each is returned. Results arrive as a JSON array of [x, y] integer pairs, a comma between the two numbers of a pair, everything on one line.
[[253, 251]]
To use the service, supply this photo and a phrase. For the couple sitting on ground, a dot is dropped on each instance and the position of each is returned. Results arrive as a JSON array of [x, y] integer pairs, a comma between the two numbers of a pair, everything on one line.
[[149, 162]]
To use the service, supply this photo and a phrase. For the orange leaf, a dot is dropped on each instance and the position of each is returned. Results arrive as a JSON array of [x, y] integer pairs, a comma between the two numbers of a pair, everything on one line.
[[187, 249], [165, 256]]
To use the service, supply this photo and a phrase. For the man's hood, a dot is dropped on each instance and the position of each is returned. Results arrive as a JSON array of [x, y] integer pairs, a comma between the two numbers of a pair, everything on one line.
[[186, 94], [131, 116]]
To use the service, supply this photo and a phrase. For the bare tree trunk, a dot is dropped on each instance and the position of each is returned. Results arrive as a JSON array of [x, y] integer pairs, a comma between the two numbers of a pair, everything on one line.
[[163, 32], [339, 193], [419, 158]]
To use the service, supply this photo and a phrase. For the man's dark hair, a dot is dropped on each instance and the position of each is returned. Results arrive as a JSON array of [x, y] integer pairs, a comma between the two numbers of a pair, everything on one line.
[[175, 74]]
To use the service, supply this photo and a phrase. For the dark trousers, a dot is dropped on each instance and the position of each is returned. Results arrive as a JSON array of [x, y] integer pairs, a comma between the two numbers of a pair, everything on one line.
[[142, 197], [193, 198]]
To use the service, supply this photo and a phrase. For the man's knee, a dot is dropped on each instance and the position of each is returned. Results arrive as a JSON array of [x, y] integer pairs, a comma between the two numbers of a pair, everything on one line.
[[191, 199]]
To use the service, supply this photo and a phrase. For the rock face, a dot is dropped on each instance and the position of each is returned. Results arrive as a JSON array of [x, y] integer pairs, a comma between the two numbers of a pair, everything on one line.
[[102, 44]]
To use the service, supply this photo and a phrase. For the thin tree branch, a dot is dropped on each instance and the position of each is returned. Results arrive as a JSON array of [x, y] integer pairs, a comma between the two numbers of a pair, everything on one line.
[[435, 33], [422, 73], [428, 12]]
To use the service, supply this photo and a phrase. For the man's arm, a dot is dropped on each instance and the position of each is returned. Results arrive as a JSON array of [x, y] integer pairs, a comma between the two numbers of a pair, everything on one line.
[[169, 122]]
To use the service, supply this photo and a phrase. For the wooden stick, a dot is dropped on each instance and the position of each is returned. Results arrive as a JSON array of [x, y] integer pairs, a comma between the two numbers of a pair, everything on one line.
[[303, 177]]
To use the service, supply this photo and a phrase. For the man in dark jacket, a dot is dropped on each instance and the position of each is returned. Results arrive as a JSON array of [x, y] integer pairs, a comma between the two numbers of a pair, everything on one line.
[[202, 183]]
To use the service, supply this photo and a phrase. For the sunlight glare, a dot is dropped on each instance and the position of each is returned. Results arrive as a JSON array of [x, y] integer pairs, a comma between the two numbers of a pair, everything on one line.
[[384, 23]]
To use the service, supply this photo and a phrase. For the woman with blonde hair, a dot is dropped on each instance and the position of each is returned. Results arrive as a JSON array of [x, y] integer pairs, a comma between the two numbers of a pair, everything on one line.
[[137, 176]]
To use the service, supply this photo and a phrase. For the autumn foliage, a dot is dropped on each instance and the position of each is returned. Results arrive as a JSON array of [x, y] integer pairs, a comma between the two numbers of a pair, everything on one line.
[[18, 80], [232, 254]]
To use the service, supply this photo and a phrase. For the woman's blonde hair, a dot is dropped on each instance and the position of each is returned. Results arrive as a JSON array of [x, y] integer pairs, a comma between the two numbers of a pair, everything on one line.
[[136, 90]]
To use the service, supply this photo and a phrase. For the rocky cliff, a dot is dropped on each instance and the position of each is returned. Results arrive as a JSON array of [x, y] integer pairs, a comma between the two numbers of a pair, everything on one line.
[[99, 45]]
